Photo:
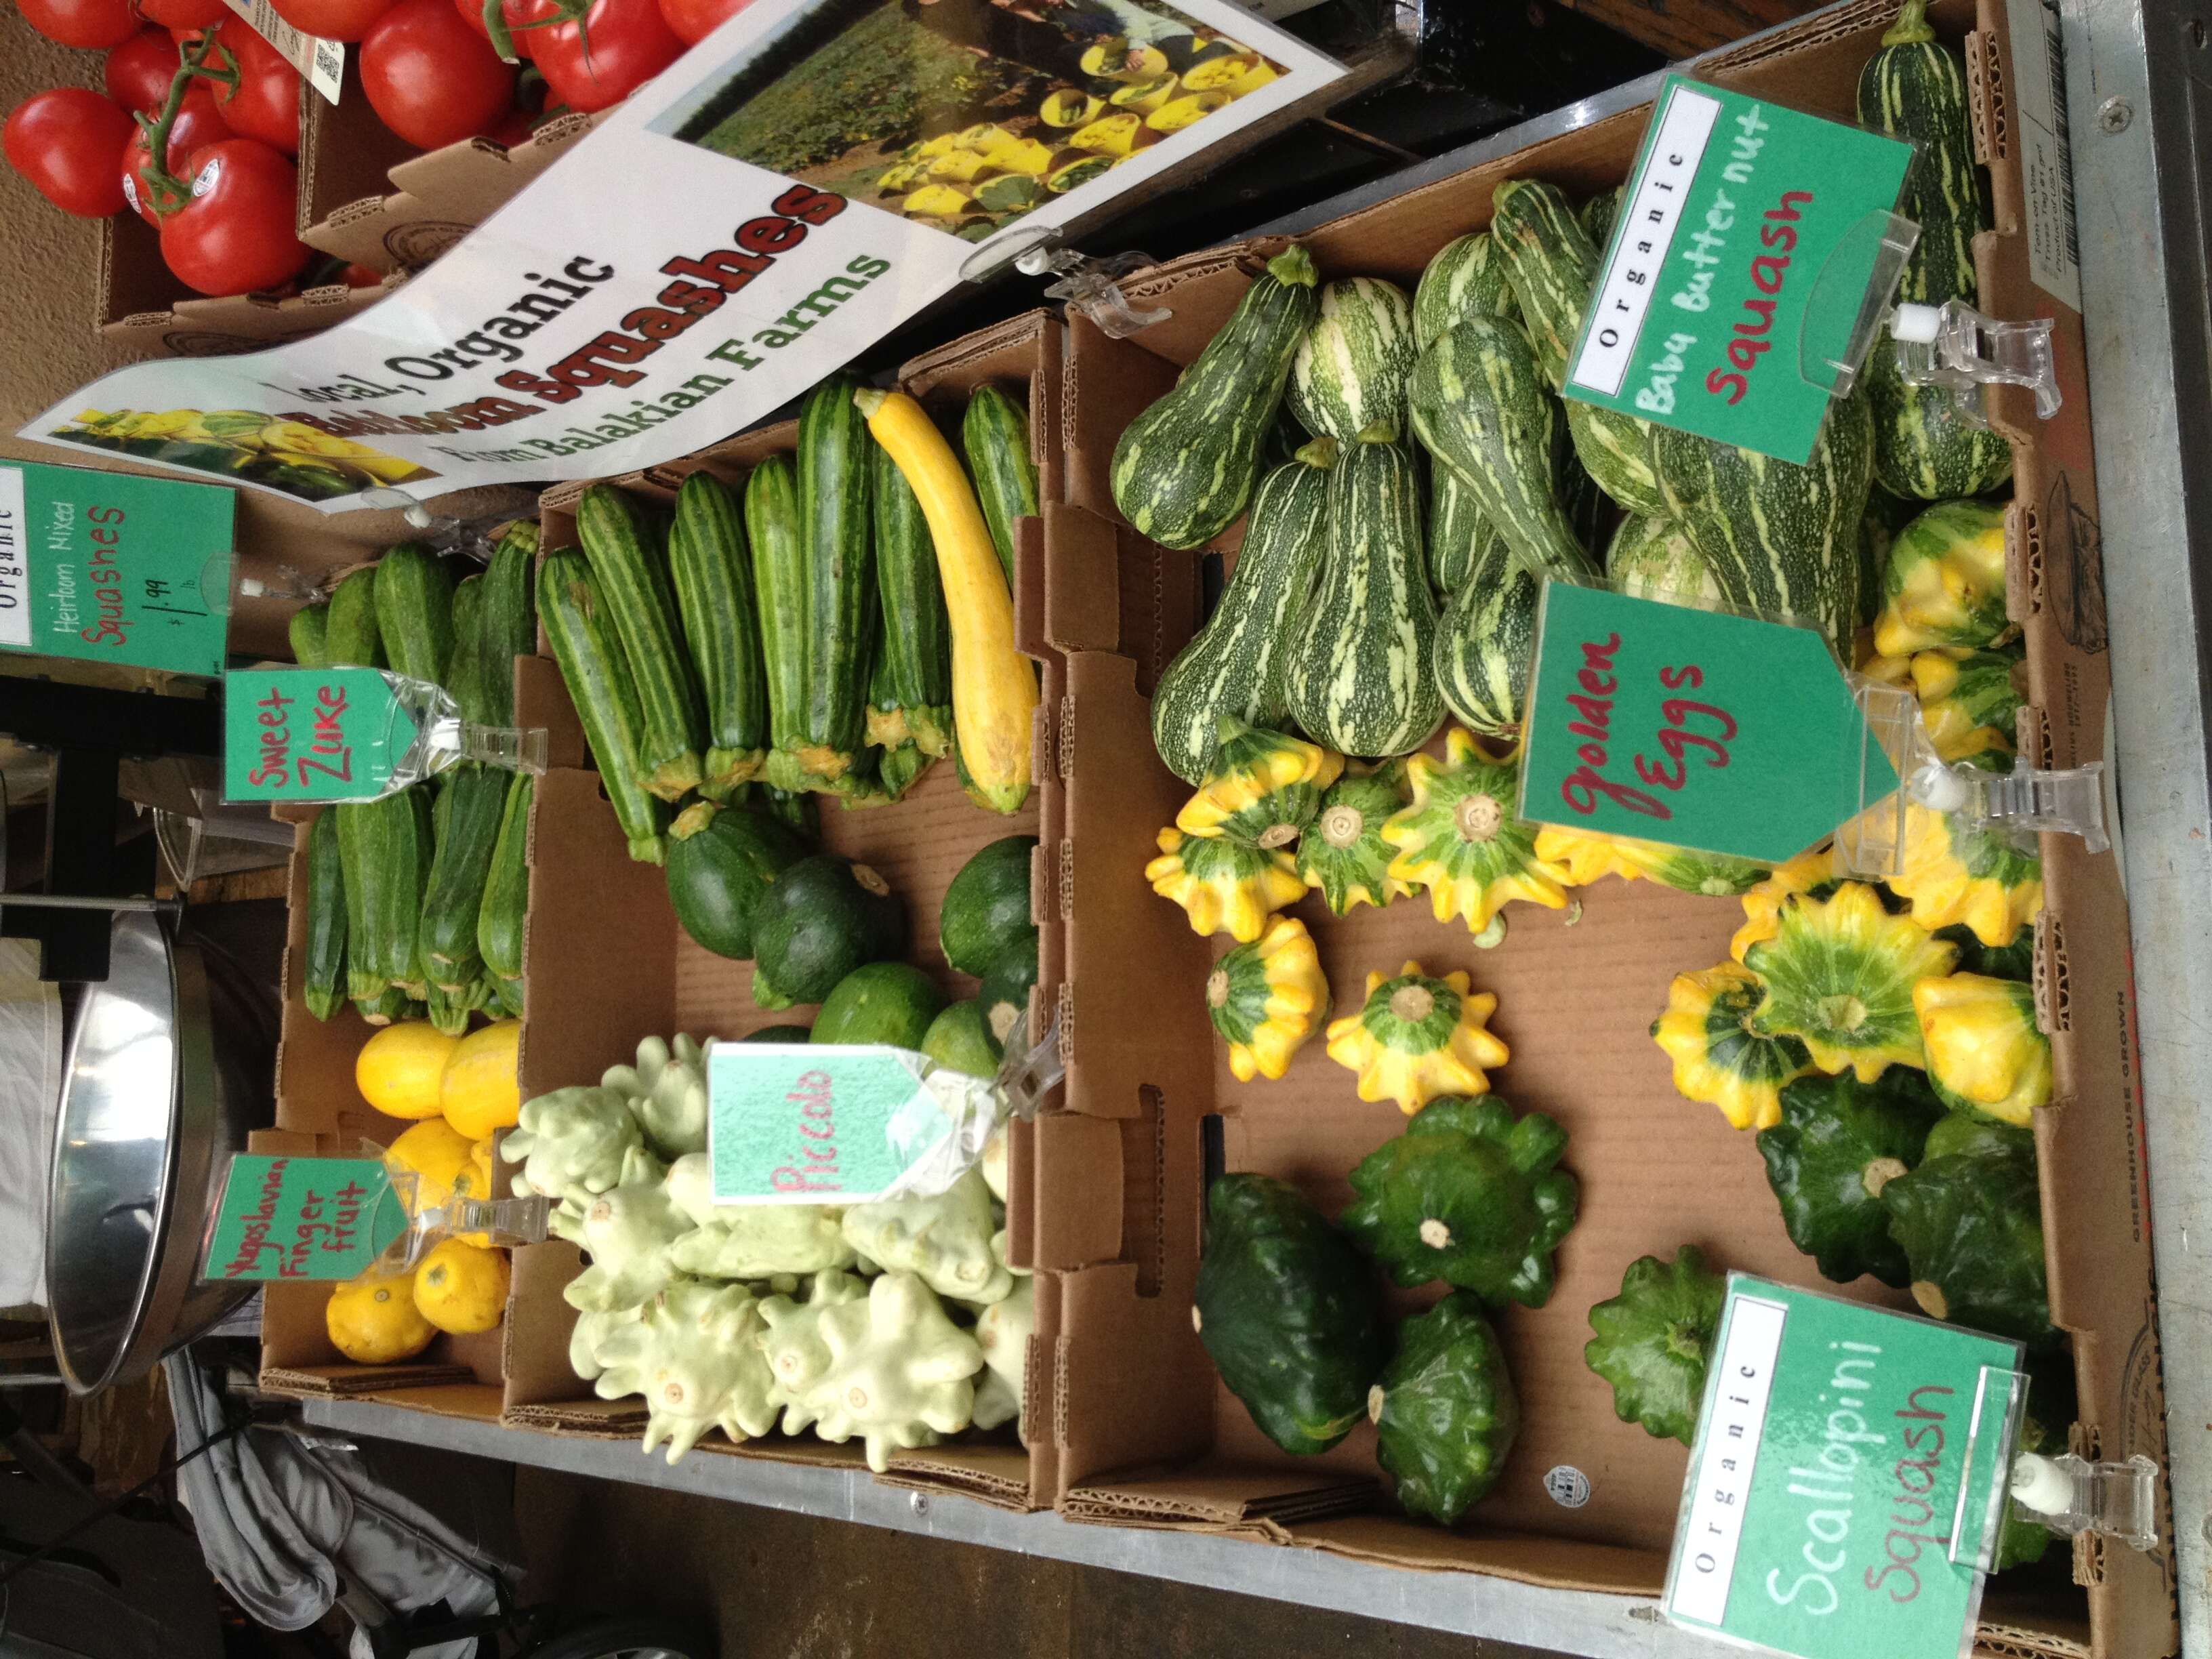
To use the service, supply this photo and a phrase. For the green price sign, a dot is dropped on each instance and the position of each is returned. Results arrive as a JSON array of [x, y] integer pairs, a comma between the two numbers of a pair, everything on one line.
[[1749, 254], [305, 735], [302, 1218], [1697, 728], [837, 1124], [1851, 1465], [104, 567]]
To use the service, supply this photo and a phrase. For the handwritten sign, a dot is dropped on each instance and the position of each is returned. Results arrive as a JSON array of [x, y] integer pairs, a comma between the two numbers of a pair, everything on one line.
[[312, 734], [1739, 270], [1849, 1466], [302, 1218], [1697, 728], [107, 568], [797, 1123]]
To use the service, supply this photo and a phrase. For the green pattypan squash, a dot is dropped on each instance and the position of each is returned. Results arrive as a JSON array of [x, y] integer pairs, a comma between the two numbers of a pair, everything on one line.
[[946, 1239], [1445, 1413], [1653, 1340], [1970, 1132], [1287, 1312], [667, 1091], [1342, 854], [570, 1143], [1839, 1143], [1970, 1226], [626, 1231], [1469, 1195]]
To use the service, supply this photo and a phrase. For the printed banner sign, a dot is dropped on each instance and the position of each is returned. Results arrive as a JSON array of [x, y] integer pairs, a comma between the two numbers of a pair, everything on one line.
[[1850, 1465], [1700, 729], [105, 567], [801, 182], [793, 1123], [307, 734], [302, 1218], [1740, 271]]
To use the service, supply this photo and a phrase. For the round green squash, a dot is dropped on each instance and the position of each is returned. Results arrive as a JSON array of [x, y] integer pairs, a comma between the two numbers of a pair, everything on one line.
[[880, 1002], [1006, 989], [818, 920], [1970, 1132], [1652, 1342], [1970, 1226], [1286, 1311], [1839, 1143], [960, 1037], [720, 861], [1445, 1412], [986, 908]]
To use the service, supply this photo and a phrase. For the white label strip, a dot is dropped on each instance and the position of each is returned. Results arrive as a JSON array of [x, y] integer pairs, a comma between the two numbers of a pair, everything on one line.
[[321, 62], [1645, 238], [1705, 1566], [2046, 149], [15, 562]]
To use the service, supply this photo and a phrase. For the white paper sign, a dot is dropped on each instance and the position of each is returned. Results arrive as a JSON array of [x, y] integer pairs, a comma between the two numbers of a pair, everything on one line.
[[321, 62]]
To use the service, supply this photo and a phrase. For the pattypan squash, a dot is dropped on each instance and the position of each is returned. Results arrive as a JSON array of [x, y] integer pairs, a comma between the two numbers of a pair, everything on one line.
[[992, 1163], [570, 1143], [627, 1231], [1416, 1037], [791, 1337], [1811, 872], [1945, 582], [1839, 974], [1653, 1341], [1970, 1132], [667, 1090], [1266, 998], [1003, 1332], [1589, 857], [1970, 1226], [1470, 1195], [1445, 1413], [1286, 1311], [1839, 1143], [946, 1240], [1342, 854], [900, 1374], [1222, 885], [692, 1353], [1985, 1053], [1459, 839], [1956, 874], [1968, 702], [591, 1329], [750, 1241], [1261, 789], [1718, 1058]]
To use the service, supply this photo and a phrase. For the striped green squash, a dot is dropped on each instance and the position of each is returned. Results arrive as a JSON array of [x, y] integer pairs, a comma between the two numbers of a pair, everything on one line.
[[995, 435], [309, 631], [779, 589], [508, 618], [836, 541], [351, 637], [1185, 468], [415, 611], [1653, 558], [1467, 278], [916, 661], [1915, 89], [1484, 642], [712, 571], [597, 676], [1234, 664], [1553, 266], [1359, 672], [1597, 215], [1351, 370], [1922, 446], [1459, 538], [1480, 409], [1781, 539]]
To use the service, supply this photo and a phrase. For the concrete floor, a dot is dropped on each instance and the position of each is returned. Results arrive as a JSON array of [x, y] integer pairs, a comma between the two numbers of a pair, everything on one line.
[[780, 1586]]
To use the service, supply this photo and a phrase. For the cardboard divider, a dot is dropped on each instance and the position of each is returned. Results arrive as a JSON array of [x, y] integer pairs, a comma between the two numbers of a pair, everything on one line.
[[139, 303]]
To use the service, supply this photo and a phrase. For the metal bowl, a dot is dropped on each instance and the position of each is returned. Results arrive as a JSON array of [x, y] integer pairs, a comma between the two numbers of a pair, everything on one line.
[[170, 1065]]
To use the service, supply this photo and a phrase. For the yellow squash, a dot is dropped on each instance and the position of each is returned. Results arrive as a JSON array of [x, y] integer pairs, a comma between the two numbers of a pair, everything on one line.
[[1985, 1051], [1225, 885], [1418, 1036], [1266, 998]]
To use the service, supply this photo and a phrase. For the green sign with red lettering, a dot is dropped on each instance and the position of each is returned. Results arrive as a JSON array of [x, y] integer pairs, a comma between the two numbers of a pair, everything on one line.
[[1700, 729], [1747, 257], [302, 1218], [308, 734]]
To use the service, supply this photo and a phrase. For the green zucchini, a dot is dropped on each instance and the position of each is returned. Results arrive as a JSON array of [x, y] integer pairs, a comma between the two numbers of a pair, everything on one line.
[[1480, 409], [415, 611], [1234, 664], [836, 564], [631, 576], [1351, 369], [309, 632], [995, 433], [472, 804], [1485, 641], [591, 663], [1185, 469], [1467, 277], [350, 634], [323, 974], [465, 667], [779, 589], [1553, 266], [1357, 672], [1459, 537], [714, 578], [386, 1005], [507, 888], [916, 648], [353, 640], [507, 621], [1653, 559], [394, 841]]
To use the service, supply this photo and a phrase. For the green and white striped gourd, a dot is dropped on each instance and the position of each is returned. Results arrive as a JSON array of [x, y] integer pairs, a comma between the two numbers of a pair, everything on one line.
[[1653, 558], [1459, 537], [1923, 447], [1234, 664], [1186, 468], [1467, 278], [1597, 214], [1480, 408], [1351, 369], [1359, 672], [1484, 643]]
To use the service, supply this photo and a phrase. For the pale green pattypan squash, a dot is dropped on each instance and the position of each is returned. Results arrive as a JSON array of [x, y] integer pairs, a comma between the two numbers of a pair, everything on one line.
[[900, 1373], [570, 1143], [945, 1239], [693, 1355], [627, 1231], [591, 1330], [1003, 1332], [791, 1339], [667, 1091]]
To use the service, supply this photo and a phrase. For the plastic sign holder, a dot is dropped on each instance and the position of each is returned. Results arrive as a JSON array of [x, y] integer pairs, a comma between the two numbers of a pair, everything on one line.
[[352, 735], [1089, 287], [1954, 345]]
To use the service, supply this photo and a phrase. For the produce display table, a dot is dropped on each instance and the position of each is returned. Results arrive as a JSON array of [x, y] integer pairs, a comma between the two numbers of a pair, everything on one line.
[[2145, 307]]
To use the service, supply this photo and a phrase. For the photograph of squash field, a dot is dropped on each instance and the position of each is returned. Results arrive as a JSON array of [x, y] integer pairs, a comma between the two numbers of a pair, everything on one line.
[[964, 115]]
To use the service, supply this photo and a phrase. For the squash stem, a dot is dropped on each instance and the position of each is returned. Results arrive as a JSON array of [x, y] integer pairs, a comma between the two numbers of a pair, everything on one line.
[[1911, 27]]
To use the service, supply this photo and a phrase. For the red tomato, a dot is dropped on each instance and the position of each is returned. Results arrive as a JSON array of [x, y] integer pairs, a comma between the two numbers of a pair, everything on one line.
[[235, 234], [694, 19], [472, 12], [431, 78], [629, 43], [97, 24], [137, 73], [334, 20], [266, 102], [198, 124], [66, 142], [359, 277], [183, 13]]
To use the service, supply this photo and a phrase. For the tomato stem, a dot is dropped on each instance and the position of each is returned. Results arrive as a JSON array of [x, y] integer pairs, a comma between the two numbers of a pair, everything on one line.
[[503, 38], [166, 192]]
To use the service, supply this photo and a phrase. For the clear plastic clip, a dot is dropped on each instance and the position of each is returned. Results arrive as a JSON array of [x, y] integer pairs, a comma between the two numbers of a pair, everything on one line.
[[1091, 287], [510, 1221], [1030, 1072], [2070, 1495], [288, 583], [510, 748], [1954, 345]]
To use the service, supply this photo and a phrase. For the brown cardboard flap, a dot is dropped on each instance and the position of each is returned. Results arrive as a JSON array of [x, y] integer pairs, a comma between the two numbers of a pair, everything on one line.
[[997, 1475], [1082, 586], [355, 1382], [1226, 1496], [596, 1419]]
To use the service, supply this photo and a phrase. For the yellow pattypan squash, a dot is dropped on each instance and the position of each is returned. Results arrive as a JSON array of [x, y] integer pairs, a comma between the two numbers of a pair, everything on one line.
[[1266, 998], [1984, 1052], [1839, 974], [1718, 1059], [1224, 885], [1458, 838], [1808, 872], [1955, 874], [1417, 1037], [1262, 788]]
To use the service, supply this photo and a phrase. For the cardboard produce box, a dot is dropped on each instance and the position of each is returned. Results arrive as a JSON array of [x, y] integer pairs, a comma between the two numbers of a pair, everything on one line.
[[1151, 1439]]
